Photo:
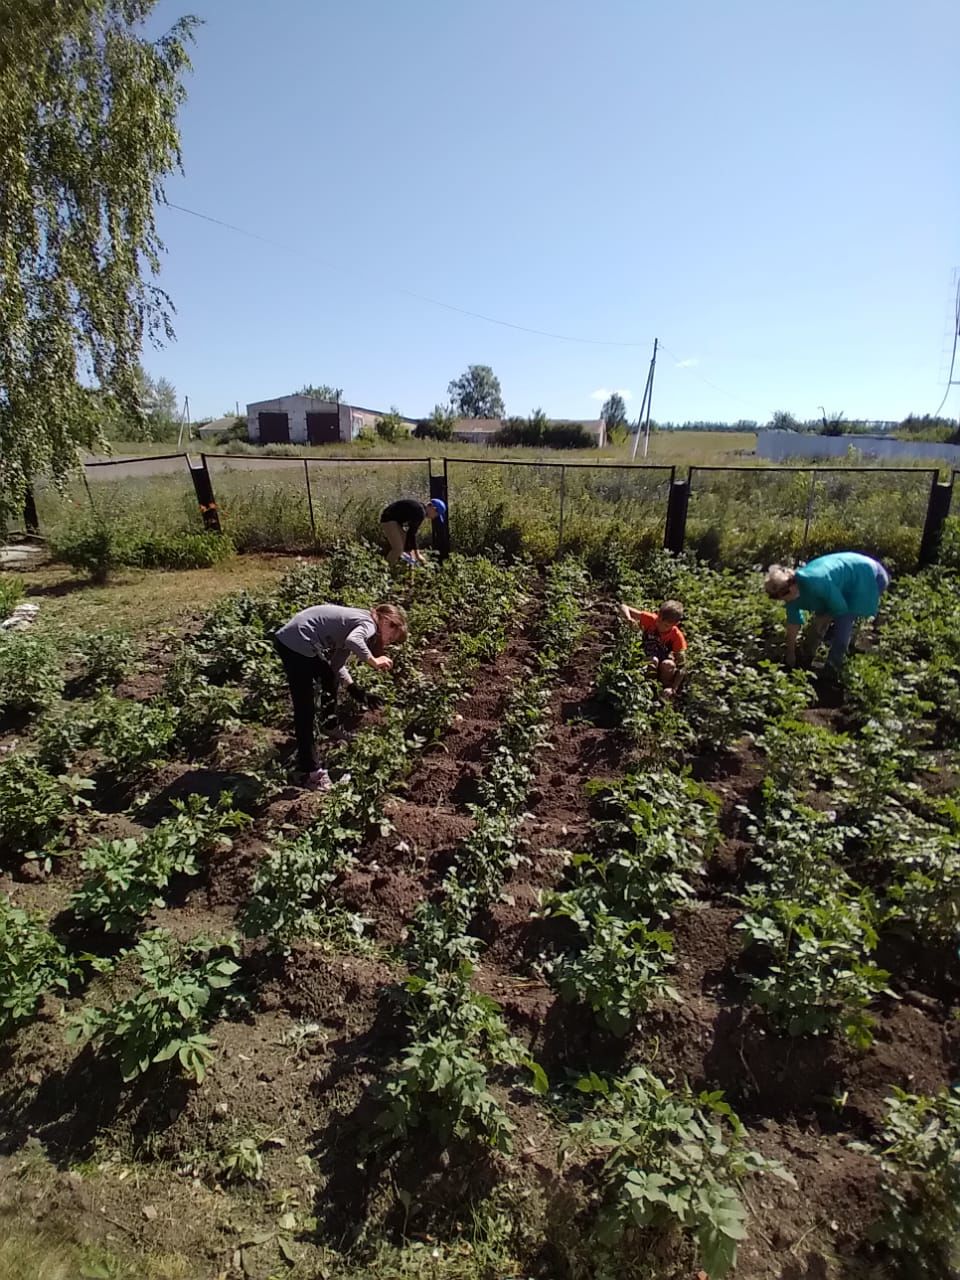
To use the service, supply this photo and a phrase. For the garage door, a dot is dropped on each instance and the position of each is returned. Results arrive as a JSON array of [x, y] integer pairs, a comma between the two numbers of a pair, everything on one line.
[[274, 428], [323, 428]]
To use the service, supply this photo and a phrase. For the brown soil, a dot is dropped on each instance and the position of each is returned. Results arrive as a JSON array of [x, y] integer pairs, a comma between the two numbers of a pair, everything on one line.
[[299, 1068]]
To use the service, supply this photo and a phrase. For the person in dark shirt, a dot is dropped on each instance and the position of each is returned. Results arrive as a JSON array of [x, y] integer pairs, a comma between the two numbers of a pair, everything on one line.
[[400, 522]]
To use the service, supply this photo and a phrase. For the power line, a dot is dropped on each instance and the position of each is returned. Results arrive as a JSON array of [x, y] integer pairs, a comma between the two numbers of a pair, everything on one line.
[[697, 374], [420, 297]]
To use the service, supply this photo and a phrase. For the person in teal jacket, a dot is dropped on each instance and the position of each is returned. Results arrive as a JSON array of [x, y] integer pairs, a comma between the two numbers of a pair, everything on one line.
[[838, 588]]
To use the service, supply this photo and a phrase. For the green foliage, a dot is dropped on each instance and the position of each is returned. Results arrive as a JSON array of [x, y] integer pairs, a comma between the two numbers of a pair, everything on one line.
[[88, 133], [11, 593], [242, 1161], [175, 990], [31, 673], [158, 412], [810, 924], [321, 391], [653, 833], [126, 877], [391, 427], [34, 963], [538, 431], [131, 734], [672, 1163], [619, 970], [476, 393], [92, 544], [458, 1038], [107, 656], [439, 426], [614, 412], [291, 896], [920, 1162], [928, 427], [38, 809]]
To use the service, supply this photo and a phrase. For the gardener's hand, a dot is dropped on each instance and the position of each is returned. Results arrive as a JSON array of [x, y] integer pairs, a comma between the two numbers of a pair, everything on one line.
[[364, 698], [380, 664]]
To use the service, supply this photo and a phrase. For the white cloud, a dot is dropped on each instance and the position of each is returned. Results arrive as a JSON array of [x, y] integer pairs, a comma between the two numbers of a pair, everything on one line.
[[690, 363], [604, 393]]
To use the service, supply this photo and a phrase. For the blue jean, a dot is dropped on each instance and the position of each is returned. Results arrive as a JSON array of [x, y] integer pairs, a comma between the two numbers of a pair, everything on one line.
[[843, 625]]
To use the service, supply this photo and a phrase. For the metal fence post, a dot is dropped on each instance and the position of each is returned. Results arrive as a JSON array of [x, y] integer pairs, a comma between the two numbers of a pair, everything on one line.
[[938, 508], [203, 485], [306, 476], [440, 532], [563, 490], [678, 500], [810, 499]]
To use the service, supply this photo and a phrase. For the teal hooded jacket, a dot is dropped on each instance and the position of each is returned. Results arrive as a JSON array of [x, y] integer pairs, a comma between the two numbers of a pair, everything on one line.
[[842, 583]]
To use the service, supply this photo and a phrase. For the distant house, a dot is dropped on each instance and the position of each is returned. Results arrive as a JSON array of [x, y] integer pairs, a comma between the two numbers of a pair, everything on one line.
[[483, 430], [216, 426], [307, 420]]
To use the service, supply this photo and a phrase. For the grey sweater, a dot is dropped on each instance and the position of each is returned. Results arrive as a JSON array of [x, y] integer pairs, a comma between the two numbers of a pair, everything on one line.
[[332, 632]]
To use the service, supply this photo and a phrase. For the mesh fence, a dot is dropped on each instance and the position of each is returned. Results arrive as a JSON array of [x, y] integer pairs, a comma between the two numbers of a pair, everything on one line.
[[760, 515], [295, 503], [544, 508], [155, 493]]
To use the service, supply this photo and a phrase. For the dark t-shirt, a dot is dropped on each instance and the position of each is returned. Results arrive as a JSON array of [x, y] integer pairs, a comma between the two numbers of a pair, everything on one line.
[[409, 514]]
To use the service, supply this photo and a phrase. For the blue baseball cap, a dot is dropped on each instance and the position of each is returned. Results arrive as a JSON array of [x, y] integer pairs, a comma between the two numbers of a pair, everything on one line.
[[440, 507]]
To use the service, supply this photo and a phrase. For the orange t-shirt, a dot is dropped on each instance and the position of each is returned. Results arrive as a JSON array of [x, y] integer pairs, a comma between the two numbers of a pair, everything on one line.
[[660, 644]]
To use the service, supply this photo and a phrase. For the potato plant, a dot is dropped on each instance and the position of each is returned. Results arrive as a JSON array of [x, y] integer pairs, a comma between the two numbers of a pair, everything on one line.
[[165, 994], [672, 1165], [919, 1155], [31, 672], [457, 1036], [652, 835], [126, 878], [34, 963]]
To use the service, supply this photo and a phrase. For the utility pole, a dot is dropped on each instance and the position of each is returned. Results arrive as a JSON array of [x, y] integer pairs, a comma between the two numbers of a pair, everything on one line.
[[184, 421], [645, 406]]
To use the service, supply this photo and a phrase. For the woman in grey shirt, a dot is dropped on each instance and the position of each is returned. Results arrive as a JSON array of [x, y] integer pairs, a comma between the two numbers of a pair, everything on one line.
[[315, 645]]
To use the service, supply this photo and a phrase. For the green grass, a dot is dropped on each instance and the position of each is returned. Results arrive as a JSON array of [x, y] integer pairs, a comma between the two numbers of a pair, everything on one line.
[[142, 600]]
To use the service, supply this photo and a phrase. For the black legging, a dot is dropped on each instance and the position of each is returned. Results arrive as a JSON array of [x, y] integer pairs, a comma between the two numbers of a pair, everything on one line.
[[301, 673]]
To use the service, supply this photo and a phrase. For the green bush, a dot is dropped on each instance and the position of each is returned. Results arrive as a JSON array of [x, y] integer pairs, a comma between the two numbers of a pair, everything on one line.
[[31, 675], [11, 593], [439, 426], [92, 545]]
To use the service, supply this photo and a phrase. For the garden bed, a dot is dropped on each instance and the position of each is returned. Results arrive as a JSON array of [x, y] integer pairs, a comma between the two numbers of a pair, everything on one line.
[[522, 734]]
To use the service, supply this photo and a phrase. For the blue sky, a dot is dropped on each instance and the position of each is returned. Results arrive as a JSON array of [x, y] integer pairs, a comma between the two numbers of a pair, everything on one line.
[[769, 188]]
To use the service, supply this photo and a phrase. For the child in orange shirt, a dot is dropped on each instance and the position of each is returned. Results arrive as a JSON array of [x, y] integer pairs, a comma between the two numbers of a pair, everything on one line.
[[663, 642]]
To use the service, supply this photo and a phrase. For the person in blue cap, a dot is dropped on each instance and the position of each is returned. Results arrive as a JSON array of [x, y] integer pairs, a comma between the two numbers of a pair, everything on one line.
[[838, 588], [401, 521]]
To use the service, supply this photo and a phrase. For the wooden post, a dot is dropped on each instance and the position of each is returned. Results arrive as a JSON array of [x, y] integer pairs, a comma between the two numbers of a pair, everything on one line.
[[676, 527], [440, 533], [203, 485], [938, 508]]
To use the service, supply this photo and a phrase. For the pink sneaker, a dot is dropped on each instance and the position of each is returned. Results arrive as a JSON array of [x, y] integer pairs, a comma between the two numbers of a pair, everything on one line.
[[318, 780]]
